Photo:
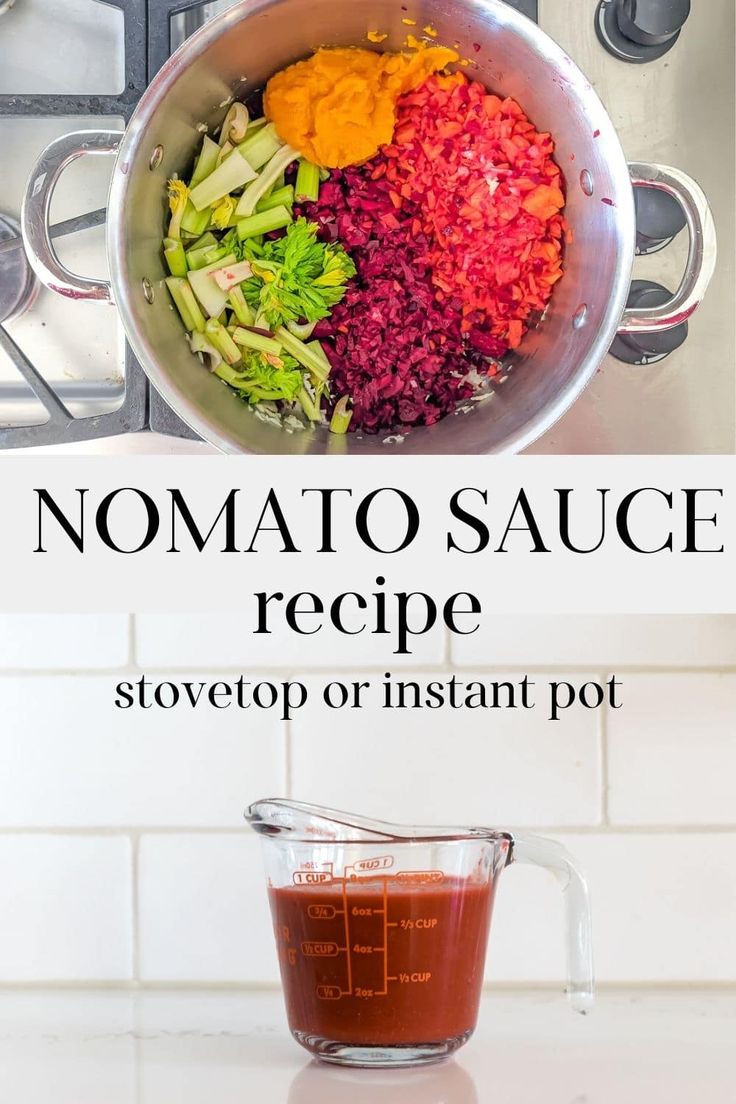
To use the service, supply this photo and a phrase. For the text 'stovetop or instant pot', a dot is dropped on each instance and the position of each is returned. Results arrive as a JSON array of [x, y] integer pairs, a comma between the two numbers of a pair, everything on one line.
[[235, 54], [381, 929]]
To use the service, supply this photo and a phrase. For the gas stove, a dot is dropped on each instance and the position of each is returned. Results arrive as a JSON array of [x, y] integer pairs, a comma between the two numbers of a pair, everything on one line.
[[664, 72]]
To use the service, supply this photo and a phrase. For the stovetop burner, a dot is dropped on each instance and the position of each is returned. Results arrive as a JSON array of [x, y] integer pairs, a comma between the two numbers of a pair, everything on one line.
[[648, 348], [18, 285], [659, 219]]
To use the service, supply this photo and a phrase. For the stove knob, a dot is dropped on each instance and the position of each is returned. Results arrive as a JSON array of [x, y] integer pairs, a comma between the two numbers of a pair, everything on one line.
[[651, 22], [659, 219], [648, 348], [640, 30]]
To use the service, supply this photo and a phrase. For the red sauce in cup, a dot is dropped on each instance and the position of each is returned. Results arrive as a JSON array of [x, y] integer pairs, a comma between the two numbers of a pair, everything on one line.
[[414, 971]]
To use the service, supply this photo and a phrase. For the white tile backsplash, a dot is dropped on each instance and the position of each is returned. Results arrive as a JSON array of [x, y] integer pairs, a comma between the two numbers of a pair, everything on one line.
[[605, 642], [672, 751], [63, 641], [489, 766], [65, 908], [664, 907], [191, 640], [83, 787], [204, 910], [70, 758]]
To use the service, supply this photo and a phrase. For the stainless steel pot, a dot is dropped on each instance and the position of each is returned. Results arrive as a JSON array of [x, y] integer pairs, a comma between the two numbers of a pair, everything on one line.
[[236, 53]]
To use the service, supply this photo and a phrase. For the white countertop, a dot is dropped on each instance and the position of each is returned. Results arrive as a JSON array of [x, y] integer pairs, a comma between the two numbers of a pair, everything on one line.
[[227, 1047]]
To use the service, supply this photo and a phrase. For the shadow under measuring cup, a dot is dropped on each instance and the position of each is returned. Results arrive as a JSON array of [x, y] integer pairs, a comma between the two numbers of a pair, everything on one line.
[[381, 929], [318, 1084]]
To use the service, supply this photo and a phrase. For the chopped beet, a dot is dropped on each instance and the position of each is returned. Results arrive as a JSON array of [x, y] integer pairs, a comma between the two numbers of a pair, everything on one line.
[[397, 350], [456, 233]]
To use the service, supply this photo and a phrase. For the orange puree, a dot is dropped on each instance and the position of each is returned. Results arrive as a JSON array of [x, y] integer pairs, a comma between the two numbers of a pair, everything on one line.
[[339, 107]]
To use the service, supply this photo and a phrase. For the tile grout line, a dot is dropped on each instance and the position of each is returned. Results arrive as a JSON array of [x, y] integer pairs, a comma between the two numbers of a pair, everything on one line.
[[131, 640], [134, 837], [447, 667], [603, 750], [289, 754]]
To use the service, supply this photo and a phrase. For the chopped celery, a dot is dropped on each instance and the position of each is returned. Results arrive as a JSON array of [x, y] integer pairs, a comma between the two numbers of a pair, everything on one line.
[[324, 175], [263, 223], [260, 147], [206, 241], [206, 162], [233, 173], [175, 257], [223, 342], [250, 340], [307, 182], [198, 343], [178, 199], [225, 151], [308, 405], [212, 298], [256, 124], [235, 124], [229, 276], [243, 312], [316, 347], [306, 356], [200, 258], [193, 307], [341, 416], [301, 330], [174, 284], [195, 222], [256, 189], [197, 258], [185, 303], [277, 197], [217, 254], [229, 375], [223, 211]]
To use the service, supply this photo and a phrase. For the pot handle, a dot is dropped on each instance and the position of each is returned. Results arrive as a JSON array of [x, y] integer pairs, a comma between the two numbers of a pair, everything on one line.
[[36, 208], [701, 260]]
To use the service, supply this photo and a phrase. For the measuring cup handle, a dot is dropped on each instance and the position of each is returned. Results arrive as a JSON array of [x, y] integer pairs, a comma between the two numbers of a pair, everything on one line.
[[538, 851]]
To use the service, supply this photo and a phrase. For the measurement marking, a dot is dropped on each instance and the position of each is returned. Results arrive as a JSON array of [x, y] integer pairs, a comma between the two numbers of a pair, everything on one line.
[[392, 924], [391, 979], [347, 938], [378, 948], [385, 936]]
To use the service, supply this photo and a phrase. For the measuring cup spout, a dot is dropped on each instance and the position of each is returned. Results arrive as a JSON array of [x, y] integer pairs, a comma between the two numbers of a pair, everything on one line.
[[301, 821], [298, 820]]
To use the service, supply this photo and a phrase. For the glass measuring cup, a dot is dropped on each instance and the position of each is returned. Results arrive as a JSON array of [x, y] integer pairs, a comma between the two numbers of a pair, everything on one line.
[[381, 929]]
